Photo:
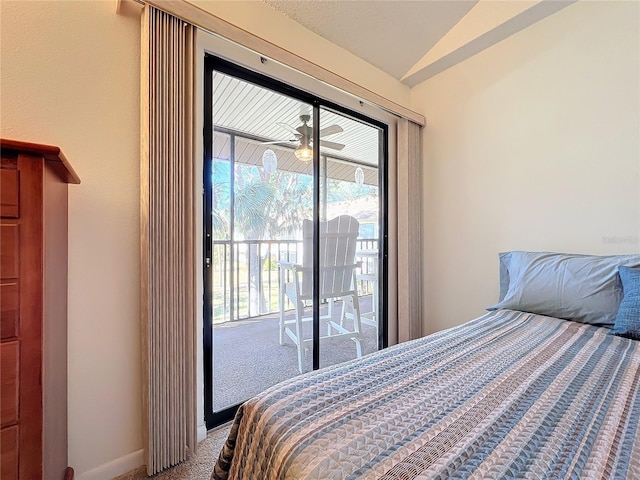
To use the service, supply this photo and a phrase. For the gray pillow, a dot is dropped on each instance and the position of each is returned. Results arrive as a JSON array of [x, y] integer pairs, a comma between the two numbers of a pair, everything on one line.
[[583, 288], [505, 260]]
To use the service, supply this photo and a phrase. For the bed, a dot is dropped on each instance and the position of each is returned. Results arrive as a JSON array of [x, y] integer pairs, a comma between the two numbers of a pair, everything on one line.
[[511, 394]]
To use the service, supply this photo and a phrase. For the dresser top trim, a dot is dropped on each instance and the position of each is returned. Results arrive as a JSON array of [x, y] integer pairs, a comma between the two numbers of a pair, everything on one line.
[[51, 153]]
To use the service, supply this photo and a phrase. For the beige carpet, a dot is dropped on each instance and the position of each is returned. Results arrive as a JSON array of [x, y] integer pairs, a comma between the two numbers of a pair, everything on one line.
[[197, 468]]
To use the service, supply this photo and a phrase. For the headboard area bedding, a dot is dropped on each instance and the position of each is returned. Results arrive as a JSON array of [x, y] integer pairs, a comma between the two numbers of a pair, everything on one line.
[[509, 395], [582, 288]]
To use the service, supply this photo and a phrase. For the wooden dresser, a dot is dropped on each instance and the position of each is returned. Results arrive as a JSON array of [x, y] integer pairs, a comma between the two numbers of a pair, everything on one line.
[[33, 299]]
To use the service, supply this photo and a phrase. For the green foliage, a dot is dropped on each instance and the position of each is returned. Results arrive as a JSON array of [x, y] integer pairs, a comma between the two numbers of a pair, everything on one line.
[[293, 203], [271, 206], [341, 191], [253, 205], [221, 200]]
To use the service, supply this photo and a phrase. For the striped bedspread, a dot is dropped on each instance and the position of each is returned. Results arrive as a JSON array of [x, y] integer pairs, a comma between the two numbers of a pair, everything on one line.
[[509, 395]]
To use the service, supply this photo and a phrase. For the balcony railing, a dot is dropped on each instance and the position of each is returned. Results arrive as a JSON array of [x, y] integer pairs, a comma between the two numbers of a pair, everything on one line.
[[246, 277]]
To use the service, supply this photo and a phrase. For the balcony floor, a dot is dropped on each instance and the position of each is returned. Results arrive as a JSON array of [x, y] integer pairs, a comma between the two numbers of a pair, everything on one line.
[[248, 358]]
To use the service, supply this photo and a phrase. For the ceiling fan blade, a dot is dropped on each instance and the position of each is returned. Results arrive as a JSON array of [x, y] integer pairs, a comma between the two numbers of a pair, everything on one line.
[[332, 145], [275, 142], [288, 127], [330, 130]]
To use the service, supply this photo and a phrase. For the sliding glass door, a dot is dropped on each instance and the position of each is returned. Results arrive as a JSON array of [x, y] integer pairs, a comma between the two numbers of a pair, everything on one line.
[[294, 235]]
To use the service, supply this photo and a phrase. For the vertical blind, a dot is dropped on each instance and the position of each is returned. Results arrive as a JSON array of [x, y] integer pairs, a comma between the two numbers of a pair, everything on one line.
[[409, 230], [167, 240]]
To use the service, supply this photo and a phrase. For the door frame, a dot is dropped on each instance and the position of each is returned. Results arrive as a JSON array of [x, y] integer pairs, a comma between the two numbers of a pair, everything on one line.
[[214, 62]]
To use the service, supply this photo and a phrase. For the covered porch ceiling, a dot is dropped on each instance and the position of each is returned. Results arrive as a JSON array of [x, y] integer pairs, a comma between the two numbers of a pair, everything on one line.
[[249, 152], [252, 113]]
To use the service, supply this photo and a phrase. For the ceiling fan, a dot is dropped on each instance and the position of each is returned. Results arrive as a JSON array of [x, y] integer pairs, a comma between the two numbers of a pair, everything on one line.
[[303, 135]]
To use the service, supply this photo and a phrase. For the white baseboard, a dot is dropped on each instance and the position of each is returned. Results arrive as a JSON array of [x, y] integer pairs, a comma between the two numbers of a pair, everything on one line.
[[126, 463], [116, 467], [202, 432]]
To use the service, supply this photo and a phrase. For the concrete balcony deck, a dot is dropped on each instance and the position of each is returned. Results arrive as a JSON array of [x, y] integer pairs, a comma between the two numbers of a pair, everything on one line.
[[247, 356]]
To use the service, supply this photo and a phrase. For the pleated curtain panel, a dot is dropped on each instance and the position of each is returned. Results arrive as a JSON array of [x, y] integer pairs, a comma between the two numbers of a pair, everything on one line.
[[409, 217], [167, 240]]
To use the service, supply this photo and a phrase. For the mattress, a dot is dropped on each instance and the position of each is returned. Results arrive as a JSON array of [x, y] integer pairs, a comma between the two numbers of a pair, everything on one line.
[[508, 395]]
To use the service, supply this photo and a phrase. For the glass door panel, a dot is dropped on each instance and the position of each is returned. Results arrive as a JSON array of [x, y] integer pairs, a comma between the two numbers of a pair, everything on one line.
[[262, 189], [349, 243]]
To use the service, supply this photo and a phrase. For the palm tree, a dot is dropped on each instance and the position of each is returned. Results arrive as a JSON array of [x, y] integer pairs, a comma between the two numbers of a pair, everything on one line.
[[253, 201], [267, 206], [221, 200]]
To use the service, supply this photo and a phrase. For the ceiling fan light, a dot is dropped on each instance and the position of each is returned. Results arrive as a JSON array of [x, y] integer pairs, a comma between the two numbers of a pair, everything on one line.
[[304, 153]]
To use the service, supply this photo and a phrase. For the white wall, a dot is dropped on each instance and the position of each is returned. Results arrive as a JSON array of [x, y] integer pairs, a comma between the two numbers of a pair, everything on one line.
[[532, 144]]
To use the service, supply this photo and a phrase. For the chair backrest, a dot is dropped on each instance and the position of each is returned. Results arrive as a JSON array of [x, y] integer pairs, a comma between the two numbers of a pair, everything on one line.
[[338, 241]]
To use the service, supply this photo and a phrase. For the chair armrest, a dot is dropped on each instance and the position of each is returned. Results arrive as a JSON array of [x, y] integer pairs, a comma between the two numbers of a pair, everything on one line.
[[288, 265]]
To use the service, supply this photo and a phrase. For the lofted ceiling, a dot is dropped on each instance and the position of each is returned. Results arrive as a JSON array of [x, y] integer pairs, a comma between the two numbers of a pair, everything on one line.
[[412, 40], [392, 35]]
